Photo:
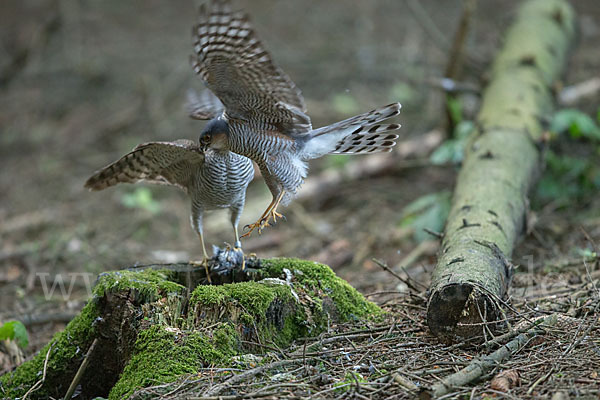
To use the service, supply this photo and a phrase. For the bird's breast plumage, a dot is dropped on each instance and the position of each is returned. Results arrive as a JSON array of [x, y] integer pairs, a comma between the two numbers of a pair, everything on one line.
[[222, 180]]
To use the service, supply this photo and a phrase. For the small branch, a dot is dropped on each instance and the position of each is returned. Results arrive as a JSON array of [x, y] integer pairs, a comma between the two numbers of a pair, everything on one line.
[[244, 376], [407, 282], [40, 319], [80, 371], [579, 92], [480, 366], [458, 45], [437, 235]]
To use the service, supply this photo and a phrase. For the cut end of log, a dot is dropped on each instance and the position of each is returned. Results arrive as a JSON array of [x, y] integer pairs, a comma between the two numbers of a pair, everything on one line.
[[461, 311]]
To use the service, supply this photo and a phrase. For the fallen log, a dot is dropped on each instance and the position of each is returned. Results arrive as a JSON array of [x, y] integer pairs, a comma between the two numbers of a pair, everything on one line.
[[150, 325], [502, 162]]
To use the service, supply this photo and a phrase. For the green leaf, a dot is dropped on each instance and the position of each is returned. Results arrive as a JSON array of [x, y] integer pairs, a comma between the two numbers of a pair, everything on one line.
[[576, 123], [141, 198], [429, 211], [454, 109], [15, 330], [344, 103], [568, 177], [452, 150], [404, 93], [588, 254]]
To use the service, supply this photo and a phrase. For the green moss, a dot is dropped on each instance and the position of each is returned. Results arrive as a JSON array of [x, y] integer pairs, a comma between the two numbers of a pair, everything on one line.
[[226, 338], [68, 346], [248, 305], [67, 349], [162, 355], [294, 327], [319, 278], [149, 284], [256, 297], [253, 297]]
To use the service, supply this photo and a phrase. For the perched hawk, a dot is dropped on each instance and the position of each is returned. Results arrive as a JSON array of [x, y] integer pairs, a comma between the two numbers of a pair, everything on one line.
[[212, 178]]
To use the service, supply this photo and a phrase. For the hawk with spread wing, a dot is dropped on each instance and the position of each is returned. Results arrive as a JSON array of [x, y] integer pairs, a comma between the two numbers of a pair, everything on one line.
[[264, 116], [213, 179]]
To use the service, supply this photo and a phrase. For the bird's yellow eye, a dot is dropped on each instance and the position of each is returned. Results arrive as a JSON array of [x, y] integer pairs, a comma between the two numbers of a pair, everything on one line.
[[206, 139]]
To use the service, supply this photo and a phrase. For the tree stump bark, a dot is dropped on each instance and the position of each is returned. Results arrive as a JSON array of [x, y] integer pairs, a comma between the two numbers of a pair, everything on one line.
[[152, 325], [502, 162]]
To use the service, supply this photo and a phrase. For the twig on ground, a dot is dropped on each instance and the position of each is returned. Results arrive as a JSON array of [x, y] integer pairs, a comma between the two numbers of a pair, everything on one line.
[[39, 383], [423, 248], [458, 45], [580, 91], [221, 387], [40, 319], [385, 267], [437, 235], [80, 371], [481, 365]]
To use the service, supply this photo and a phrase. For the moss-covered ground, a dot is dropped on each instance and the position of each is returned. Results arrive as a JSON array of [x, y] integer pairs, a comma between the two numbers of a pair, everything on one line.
[[162, 355], [63, 353], [222, 321]]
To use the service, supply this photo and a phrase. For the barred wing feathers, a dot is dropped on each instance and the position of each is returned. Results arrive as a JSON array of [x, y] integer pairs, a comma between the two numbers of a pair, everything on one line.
[[235, 66], [167, 163]]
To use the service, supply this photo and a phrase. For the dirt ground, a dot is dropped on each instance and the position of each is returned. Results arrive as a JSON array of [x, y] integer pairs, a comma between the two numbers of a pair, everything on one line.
[[84, 82]]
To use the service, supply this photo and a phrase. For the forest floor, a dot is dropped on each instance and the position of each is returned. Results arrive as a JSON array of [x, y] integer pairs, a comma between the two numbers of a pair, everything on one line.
[[83, 83]]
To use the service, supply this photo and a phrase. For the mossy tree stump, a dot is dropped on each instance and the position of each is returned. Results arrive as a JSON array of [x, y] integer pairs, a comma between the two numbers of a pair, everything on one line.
[[153, 325], [501, 164]]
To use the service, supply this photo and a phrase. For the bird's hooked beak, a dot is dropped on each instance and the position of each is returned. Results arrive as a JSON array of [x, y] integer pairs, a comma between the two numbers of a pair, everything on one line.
[[205, 141]]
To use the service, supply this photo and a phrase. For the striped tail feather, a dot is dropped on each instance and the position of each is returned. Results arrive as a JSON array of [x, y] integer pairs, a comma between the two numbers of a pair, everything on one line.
[[360, 134], [375, 139]]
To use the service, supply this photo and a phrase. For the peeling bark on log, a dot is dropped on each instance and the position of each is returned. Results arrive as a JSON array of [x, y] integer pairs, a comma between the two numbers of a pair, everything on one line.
[[154, 324], [501, 164]]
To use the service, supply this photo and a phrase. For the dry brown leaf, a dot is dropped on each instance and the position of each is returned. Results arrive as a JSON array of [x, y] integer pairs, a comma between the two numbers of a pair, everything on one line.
[[506, 380]]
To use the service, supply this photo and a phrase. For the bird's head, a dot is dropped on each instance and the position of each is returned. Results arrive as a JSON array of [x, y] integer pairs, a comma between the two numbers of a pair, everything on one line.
[[215, 135]]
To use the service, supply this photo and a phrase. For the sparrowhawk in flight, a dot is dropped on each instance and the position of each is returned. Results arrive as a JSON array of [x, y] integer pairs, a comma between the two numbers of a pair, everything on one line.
[[264, 116]]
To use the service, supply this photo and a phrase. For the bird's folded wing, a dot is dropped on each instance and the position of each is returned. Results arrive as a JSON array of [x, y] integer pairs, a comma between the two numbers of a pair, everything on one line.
[[167, 163], [235, 66]]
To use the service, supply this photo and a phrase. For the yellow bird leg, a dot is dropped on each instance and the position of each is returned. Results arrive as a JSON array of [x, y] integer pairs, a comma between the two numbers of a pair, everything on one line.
[[204, 262], [270, 212]]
